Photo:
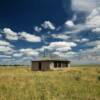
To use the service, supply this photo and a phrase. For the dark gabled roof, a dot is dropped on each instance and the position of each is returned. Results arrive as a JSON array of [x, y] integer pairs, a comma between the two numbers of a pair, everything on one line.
[[50, 60]]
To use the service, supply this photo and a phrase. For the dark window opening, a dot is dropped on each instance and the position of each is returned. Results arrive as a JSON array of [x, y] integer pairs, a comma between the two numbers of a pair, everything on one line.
[[59, 64], [40, 67], [55, 64]]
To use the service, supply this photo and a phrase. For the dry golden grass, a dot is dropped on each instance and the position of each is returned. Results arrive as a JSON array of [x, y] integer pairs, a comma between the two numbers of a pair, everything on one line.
[[68, 84]]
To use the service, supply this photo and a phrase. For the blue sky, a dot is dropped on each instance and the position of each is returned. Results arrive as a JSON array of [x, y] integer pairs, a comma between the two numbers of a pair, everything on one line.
[[66, 29]]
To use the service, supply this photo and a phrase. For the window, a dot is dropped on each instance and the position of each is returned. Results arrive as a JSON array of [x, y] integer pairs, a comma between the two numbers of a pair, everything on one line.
[[59, 64], [55, 64]]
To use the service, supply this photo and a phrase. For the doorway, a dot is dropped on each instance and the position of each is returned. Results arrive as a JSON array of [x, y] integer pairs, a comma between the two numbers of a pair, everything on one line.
[[55, 64], [40, 67]]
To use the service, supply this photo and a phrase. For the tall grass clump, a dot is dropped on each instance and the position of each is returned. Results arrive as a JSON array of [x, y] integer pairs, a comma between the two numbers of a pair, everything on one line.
[[77, 77]]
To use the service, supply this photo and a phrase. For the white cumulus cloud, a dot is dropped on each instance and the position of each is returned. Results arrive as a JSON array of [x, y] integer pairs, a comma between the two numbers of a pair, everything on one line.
[[4, 43], [94, 43], [37, 29], [17, 55], [59, 46], [62, 44], [60, 36], [97, 30], [10, 35], [85, 5], [69, 24], [83, 40], [48, 25], [29, 37], [5, 49], [29, 52], [93, 20]]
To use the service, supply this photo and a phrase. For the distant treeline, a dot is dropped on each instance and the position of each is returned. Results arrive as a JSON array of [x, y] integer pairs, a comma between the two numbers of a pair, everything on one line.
[[87, 65], [14, 65]]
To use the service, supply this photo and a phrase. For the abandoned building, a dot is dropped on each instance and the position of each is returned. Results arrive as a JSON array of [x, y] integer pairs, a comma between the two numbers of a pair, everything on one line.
[[44, 65]]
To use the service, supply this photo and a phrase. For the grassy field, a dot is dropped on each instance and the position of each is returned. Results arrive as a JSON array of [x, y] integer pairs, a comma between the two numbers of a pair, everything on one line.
[[69, 84]]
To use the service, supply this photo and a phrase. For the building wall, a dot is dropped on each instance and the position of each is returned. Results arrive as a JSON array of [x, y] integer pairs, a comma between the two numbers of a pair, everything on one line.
[[65, 64], [45, 66], [69, 65], [52, 65], [35, 66]]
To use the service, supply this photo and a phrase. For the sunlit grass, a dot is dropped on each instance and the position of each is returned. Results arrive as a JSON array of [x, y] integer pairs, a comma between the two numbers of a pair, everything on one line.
[[67, 84]]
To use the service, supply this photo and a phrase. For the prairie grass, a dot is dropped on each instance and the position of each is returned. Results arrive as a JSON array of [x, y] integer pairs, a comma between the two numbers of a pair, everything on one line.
[[68, 84]]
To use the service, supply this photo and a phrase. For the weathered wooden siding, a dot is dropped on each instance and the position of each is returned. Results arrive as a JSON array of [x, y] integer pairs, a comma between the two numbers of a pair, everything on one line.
[[45, 66], [35, 66]]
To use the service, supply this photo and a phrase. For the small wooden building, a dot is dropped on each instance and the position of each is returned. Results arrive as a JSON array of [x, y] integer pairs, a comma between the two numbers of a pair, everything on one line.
[[44, 65]]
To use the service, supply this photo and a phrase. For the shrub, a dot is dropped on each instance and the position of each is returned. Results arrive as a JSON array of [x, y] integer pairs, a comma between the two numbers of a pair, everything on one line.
[[77, 77], [98, 78]]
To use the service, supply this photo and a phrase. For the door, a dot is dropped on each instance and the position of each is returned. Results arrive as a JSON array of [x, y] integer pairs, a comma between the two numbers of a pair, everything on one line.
[[40, 67]]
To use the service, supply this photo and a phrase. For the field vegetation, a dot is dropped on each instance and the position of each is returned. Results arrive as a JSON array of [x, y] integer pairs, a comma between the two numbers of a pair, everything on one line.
[[76, 83]]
